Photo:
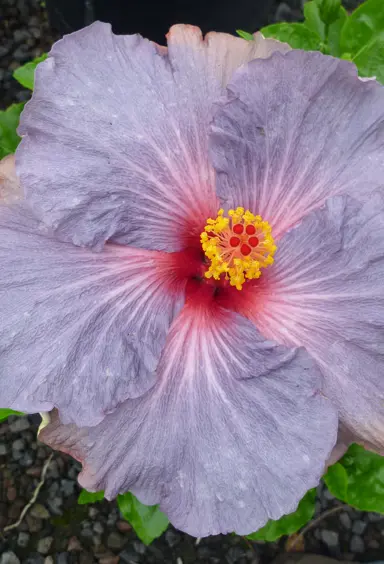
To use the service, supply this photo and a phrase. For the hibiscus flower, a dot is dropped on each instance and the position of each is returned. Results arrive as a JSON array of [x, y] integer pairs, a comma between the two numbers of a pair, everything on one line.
[[194, 279]]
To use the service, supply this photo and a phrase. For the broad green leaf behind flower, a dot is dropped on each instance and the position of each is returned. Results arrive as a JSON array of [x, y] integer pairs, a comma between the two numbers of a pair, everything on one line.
[[314, 22], [9, 120], [288, 524], [297, 35], [358, 479], [25, 75], [363, 38], [363, 25], [89, 497], [148, 521]]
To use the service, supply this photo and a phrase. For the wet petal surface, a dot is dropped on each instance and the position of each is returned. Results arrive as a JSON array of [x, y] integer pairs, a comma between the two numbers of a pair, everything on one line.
[[234, 432]]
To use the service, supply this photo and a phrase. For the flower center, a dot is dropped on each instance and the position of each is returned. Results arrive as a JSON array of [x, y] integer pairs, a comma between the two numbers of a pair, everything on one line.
[[238, 246]]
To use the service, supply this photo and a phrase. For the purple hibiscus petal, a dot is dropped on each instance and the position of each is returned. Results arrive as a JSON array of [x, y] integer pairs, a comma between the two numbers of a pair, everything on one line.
[[115, 136], [82, 331], [325, 292], [294, 130], [233, 433]]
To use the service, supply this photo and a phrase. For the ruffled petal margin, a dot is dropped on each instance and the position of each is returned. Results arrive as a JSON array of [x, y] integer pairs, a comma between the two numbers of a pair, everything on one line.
[[115, 138], [294, 130], [234, 432], [325, 292]]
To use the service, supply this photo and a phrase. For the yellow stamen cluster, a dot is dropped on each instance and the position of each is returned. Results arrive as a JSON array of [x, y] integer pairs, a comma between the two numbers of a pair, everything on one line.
[[244, 260]]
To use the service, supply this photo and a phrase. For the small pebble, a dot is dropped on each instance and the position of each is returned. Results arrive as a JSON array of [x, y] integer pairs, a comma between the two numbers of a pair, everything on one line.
[[357, 545], [234, 554], [98, 528], [139, 547], [172, 538], [93, 512], [19, 444], [53, 489], [19, 424], [34, 524], [11, 494], [128, 556], [87, 534], [39, 511], [55, 505], [97, 540], [74, 544], [63, 558], [9, 558], [44, 545], [345, 520], [109, 560], [374, 544], [34, 558], [23, 539], [3, 449], [359, 527], [330, 538], [115, 541], [17, 455], [53, 470], [67, 487], [27, 459], [374, 517], [123, 526], [49, 560], [35, 472], [41, 453]]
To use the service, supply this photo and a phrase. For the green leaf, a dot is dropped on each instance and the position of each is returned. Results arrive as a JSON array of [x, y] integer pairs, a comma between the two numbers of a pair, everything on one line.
[[297, 35], [329, 11], [5, 413], [314, 22], [25, 75], [148, 521], [370, 59], [336, 480], [89, 497], [9, 120], [288, 524], [358, 479], [245, 35], [335, 31], [366, 22]]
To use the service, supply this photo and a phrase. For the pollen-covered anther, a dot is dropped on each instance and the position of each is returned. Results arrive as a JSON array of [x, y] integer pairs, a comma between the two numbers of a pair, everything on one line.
[[238, 246]]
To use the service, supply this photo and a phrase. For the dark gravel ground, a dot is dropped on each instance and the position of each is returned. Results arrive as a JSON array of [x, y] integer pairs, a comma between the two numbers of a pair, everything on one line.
[[56, 529]]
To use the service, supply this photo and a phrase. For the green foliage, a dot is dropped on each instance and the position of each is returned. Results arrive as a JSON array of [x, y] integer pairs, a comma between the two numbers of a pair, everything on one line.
[[329, 34], [328, 28], [288, 524], [362, 37], [148, 521], [5, 413], [329, 10], [9, 120], [89, 497], [297, 35], [363, 24], [245, 34], [358, 479], [25, 75]]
